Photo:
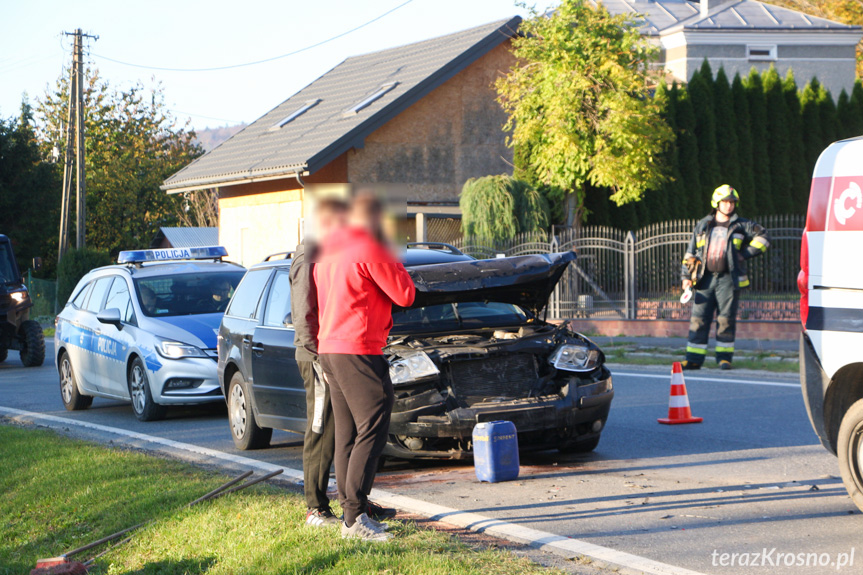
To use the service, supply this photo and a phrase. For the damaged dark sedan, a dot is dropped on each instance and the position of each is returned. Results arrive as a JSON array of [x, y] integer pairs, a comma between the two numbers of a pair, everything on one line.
[[473, 347]]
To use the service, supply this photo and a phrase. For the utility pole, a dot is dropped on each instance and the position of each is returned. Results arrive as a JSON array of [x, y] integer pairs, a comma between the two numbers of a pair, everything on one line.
[[75, 150]]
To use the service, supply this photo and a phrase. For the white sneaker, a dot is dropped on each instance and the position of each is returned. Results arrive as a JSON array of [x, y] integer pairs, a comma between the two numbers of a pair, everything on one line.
[[364, 529]]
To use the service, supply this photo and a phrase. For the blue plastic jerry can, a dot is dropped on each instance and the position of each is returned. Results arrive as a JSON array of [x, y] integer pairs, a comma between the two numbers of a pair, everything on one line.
[[495, 451]]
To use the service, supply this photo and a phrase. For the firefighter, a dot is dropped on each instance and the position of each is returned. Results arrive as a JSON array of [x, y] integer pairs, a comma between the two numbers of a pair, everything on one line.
[[714, 267]]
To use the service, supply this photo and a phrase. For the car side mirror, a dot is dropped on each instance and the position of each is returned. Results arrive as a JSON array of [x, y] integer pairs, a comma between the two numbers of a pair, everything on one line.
[[37, 264], [288, 321], [110, 316]]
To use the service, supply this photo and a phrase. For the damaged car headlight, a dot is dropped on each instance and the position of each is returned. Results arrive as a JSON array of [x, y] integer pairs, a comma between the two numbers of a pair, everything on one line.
[[573, 357], [412, 367]]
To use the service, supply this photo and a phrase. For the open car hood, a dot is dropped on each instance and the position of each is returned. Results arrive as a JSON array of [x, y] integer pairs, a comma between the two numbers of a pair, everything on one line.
[[526, 281]]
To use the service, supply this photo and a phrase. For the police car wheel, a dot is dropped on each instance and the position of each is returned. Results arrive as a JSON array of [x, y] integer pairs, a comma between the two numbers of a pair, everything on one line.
[[73, 399], [849, 447], [139, 390], [244, 429]]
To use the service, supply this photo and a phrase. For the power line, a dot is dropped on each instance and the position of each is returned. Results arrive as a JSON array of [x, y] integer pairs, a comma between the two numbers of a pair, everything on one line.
[[217, 68]]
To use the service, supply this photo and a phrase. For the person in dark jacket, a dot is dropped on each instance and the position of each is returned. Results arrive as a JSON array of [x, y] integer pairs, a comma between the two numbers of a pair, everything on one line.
[[714, 265], [319, 439], [358, 280]]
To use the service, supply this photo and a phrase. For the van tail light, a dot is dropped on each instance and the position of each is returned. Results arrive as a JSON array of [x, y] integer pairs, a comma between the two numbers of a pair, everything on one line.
[[803, 279]]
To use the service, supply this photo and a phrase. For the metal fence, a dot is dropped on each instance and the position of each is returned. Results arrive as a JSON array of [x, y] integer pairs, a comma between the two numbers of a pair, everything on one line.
[[43, 293], [636, 274]]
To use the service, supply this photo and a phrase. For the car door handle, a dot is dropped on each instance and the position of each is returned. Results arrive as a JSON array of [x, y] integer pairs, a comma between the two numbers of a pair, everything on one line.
[[247, 341], [258, 348]]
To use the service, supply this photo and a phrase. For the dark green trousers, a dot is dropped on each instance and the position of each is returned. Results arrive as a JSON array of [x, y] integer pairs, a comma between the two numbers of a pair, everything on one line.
[[715, 294], [318, 445]]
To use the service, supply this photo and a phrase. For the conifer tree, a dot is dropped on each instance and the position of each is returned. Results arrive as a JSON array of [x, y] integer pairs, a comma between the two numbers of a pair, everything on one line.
[[800, 172], [827, 117], [660, 201], [701, 95], [809, 119], [777, 143], [856, 101], [744, 142], [726, 131], [760, 151], [690, 203], [845, 116]]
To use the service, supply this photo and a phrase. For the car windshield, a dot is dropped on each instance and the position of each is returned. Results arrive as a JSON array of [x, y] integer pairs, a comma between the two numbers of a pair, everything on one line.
[[458, 315], [7, 265], [186, 294]]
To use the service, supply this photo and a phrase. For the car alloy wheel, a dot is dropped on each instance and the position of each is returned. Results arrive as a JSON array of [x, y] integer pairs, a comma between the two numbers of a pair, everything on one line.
[[73, 400], [849, 448], [139, 391], [244, 429]]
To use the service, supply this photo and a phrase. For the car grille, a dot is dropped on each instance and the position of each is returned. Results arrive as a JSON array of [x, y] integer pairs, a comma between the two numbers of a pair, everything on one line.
[[509, 376]]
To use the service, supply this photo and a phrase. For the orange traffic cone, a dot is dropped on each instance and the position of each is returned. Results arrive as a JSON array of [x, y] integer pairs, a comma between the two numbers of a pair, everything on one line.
[[678, 401]]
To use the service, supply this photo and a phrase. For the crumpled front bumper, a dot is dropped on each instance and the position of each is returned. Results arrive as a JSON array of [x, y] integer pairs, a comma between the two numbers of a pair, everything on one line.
[[546, 421]]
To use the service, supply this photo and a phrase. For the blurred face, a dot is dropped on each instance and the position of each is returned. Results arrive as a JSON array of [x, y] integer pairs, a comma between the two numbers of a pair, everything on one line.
[[221, 291], [329, 221], [368, 220]]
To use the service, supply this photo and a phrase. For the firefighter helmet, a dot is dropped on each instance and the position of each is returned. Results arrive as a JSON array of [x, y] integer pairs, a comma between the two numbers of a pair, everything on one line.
[[724, 192]]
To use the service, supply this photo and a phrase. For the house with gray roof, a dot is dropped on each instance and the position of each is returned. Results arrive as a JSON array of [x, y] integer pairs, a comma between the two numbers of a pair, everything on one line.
[[185, 237], [423, 116], [740, 34]]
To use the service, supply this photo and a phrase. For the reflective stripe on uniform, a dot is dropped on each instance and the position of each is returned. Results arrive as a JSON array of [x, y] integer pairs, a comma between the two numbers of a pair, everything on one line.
[[743, 281], [694, 348], [727, 348], [700, 243], [758, 244]]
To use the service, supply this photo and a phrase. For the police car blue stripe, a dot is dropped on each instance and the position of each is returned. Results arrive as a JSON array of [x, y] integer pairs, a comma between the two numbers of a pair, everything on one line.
[[87, 340]]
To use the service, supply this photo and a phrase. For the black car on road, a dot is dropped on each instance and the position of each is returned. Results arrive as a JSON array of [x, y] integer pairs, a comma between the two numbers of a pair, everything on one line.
[[473, 347]]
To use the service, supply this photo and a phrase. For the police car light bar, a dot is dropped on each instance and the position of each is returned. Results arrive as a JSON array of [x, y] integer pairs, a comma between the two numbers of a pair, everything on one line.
[[204, 253]]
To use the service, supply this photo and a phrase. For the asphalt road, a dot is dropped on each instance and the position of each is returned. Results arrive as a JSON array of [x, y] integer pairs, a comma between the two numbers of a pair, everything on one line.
[[749, 490]]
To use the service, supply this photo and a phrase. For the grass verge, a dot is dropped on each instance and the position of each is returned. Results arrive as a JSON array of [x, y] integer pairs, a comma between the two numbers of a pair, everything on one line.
[[758, 361], [57, 494]]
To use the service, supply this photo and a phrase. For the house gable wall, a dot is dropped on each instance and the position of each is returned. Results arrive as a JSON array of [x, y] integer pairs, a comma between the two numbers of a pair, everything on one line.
[[452, 134]]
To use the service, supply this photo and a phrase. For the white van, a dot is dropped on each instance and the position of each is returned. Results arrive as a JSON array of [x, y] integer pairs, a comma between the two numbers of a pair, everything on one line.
[[831, 308]]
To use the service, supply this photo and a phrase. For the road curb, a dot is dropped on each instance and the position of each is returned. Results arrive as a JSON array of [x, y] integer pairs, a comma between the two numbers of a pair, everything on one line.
[[566, 547]]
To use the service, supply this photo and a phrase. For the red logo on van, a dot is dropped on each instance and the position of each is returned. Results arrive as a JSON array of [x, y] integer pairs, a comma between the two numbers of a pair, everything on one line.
[[845, 210]]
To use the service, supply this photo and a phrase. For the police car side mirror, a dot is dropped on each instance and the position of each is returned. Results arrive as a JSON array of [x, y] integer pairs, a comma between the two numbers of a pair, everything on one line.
[[110, 316], [288, 321]]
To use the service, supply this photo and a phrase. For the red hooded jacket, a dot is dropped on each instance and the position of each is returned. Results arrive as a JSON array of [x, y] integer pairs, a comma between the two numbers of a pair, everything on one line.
[[358, 280]]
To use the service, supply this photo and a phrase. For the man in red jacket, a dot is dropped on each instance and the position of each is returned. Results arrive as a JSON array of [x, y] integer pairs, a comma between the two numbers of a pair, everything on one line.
[[358, 280]]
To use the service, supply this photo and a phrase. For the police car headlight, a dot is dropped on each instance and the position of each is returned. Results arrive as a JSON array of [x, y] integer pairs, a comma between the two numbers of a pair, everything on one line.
[[573, 357], [177, 350], [412, 367], [18, 296]]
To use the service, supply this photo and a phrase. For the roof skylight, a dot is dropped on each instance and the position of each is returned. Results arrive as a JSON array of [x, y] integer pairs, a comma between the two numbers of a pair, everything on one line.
[[371, 99], [295, 114]]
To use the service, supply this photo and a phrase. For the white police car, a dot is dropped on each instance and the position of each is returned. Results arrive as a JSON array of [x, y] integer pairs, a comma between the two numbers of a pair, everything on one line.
[[145, 330]]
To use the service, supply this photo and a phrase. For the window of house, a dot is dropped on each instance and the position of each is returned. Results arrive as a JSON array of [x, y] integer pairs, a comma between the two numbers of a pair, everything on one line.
[[370, 100], [761, 52], [295, 114]]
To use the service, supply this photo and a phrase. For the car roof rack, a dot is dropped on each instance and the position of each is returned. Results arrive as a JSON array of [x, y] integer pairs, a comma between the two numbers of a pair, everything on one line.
[[281, 256], [439, 246]]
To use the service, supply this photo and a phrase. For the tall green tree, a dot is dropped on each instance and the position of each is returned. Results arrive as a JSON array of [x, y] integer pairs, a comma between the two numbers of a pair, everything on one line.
[[811, 122], [760, 150], [29, 193], [726, 130], [579, 94], [856, 102], [133, 142], [743, 127], [827, 116], [691, 204], [800, 172], [777, 142], [700, 89]]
